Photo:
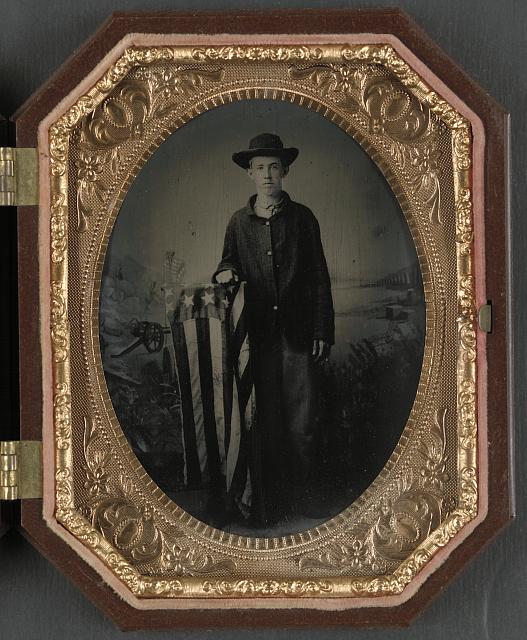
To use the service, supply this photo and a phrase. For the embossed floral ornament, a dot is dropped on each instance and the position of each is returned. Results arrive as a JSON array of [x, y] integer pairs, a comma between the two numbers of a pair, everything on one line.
[[345, 78], [89, 166], [434, 473], [257, 53], [90, 190], [176, 79], [267, 587], [336, 81], [60, 329], [329, 78], [59, 239], [358, 553], [96, 460], [355, 553], [426, 184], [391, 111], [97, 481], [432, 452], [181, 561], [171, 82], [465, 232], [424, 159], [62, 415], [166, 82]]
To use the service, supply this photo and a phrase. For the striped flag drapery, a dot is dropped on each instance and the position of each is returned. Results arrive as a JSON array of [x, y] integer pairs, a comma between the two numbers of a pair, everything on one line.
[[217, 400]]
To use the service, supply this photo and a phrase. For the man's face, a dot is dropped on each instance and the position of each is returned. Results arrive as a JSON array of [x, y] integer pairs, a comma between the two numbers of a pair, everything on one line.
[[267, 173]]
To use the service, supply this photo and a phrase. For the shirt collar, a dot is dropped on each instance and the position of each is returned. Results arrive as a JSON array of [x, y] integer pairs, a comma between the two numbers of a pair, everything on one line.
[[280, 205]]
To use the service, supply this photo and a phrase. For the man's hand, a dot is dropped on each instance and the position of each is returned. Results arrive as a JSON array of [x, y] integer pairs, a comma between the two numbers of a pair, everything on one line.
[[321, 350], [226, 277]]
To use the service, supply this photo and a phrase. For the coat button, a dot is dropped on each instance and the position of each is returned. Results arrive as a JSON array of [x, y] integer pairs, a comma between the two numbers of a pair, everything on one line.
[[267, 223], [269, 253], [275, 308]]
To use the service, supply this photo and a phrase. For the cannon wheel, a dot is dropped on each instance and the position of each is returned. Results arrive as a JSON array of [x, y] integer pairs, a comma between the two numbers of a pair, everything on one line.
[[154, 337]]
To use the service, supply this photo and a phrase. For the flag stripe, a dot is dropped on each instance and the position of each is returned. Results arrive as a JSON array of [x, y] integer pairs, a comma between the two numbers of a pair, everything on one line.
[[207, 396], [214, 364], [244, 354], [192, 469], [234, 443], [237, 339], [240, 364], [241, 464], [216, 344], [195, 387], [228, 381], [245, 387], [238, 305]]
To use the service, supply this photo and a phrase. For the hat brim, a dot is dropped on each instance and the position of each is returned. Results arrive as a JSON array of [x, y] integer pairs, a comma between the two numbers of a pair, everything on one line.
[[243, 158]]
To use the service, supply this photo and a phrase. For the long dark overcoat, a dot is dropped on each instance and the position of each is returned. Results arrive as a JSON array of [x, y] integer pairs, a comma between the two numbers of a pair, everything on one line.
[[283, 263]]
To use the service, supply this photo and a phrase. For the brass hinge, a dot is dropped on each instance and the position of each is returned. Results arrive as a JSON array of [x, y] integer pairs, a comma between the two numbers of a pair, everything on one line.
[[18, 176], [20, 469]]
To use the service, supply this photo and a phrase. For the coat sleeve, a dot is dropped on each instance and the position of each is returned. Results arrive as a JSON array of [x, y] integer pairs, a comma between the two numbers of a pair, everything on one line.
[[229, 258], [323, 312]]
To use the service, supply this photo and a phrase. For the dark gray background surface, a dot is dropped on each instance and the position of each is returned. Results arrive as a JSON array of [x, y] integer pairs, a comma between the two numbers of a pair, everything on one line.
[[488, 38]]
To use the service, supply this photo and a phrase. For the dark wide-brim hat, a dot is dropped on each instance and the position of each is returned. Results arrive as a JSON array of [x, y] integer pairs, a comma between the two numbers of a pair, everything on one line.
[[265, 144]]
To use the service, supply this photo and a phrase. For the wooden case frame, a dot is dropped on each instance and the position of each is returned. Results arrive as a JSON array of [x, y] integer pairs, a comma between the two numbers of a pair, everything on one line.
[[494, 194]]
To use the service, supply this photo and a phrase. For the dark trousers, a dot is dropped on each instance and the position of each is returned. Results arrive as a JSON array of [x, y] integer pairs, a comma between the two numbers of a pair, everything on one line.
[[282, 457]]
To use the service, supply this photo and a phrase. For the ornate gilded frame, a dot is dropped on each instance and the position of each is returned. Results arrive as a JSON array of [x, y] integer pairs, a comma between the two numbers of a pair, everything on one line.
[[430, 487]]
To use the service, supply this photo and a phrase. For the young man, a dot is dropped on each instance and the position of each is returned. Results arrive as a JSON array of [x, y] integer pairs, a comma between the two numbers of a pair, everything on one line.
[[274, 245]]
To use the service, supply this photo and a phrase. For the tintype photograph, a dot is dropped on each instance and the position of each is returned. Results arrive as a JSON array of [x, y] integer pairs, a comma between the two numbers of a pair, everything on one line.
[[262, 318]]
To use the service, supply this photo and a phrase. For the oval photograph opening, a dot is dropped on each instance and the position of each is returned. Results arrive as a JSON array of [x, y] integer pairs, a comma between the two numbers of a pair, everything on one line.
[[262, 319]]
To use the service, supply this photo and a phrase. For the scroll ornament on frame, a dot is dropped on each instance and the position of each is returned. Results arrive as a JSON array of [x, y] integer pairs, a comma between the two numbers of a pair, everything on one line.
[[402, 521], [129, 525], [391, 111], [145, 95]]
